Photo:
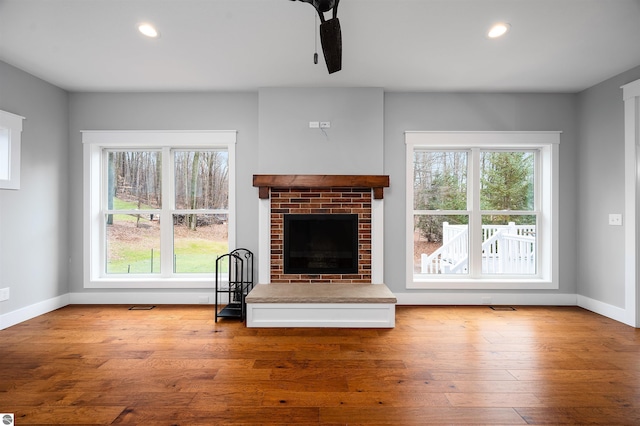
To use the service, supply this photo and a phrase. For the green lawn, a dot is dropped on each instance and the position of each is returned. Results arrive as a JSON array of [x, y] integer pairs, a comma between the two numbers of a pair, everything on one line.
[[136, 249], [119, 204], [128, 260], [197, 255], [191, 256]]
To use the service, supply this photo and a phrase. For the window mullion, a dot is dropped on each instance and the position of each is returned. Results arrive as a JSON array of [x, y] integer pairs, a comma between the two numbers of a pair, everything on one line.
[[538, 204], [475, 218], [166, 223]]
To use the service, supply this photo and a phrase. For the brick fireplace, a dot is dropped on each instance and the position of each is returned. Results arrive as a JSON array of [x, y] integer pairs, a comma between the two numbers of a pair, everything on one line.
[[282, 195], [321, 201]]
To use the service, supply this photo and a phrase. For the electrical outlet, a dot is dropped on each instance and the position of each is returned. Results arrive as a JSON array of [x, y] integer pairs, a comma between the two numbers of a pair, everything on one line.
[[314, 124], [615, 219], [4, 294], [325, 124]]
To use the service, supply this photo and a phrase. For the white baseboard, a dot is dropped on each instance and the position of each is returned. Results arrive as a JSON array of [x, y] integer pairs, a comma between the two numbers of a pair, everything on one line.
[[155, 298], [609, 311], [28, 312], [454, 298], [106, 298], [461, 298], [191, 298]]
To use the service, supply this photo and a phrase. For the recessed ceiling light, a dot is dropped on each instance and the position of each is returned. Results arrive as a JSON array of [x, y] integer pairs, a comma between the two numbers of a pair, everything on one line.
[[498, 30], [148, 30]]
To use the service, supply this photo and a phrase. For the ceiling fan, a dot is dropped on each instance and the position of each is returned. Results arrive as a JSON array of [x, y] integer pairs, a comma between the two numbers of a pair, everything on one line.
[[330, 34]]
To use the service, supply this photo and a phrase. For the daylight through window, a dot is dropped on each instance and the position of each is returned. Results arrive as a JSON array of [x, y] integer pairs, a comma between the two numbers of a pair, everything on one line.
[[160, 207], [481, 210]]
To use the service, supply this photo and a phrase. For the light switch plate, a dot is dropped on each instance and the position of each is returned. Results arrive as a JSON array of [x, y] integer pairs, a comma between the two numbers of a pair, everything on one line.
[[615, 219]]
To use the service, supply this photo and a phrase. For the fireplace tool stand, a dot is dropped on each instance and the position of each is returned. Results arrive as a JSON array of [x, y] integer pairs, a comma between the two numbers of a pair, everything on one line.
[[234, 280]]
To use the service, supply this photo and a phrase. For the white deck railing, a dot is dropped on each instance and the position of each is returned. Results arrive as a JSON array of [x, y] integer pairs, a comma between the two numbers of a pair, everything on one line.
[[506, 249]]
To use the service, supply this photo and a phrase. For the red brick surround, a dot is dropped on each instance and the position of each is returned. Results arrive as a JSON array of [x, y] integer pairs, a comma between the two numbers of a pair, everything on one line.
[[321, 201]]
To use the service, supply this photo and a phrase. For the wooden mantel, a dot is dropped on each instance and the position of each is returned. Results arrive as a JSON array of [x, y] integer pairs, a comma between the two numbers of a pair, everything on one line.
[[266, 182]]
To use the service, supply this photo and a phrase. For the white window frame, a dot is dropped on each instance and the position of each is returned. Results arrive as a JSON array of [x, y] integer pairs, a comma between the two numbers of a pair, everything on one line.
[[12, 123], [547, 144], [95, 142]]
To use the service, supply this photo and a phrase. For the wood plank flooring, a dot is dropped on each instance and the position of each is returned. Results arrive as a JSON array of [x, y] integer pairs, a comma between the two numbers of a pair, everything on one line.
[[173, 365]]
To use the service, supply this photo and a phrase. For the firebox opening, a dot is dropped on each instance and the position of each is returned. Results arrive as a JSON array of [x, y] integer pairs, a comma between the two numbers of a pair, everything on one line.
[[320, 244]]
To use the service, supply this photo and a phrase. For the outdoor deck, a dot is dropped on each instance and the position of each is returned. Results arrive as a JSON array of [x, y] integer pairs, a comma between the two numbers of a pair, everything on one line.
[[506, 249]]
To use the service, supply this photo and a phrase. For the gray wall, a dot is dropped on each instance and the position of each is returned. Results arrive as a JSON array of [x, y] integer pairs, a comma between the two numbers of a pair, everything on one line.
[[34, 219], [273, 137], [167, 111], [367, 130], [353, 144], [272, 127], [481, 112], [601, 190]]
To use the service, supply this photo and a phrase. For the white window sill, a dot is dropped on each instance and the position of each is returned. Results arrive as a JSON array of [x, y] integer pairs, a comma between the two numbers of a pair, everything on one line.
[[483, 284], [152, 283]]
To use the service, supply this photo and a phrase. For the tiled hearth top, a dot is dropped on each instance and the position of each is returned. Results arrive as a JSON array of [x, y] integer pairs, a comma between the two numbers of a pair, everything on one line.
[[320, 293]]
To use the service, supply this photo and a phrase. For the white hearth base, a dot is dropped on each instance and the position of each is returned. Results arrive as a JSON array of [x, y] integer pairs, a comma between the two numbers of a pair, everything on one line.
[[338, 315], [321, 305]]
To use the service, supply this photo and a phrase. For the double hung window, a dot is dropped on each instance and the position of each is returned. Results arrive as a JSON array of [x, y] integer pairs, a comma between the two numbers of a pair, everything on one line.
[[481, 209], [159, 207]]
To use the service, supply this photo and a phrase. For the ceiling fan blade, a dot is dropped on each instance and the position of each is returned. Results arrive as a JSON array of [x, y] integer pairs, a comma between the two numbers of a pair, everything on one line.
[[331, 39]]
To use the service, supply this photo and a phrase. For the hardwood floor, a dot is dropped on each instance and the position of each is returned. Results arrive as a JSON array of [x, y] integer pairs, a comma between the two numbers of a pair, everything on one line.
[[440, 365]]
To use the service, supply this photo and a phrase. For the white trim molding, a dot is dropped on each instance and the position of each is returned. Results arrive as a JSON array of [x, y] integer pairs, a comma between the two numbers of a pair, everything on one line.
[[324, 315], [193, 297], [95, 141], [264, 241], [631, 97], [614, 312], [488, 298], [377, 241], [28, 312], [547, 144]]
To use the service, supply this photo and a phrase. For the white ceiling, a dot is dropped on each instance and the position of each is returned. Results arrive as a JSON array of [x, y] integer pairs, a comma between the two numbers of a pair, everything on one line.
[[399, 45]]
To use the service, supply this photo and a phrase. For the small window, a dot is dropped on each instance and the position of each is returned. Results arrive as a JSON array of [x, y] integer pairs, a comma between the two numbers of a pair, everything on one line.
[[10, 141]]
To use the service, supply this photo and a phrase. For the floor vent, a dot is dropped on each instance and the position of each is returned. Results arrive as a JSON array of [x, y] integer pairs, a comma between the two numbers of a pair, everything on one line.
[[141, 308], [502, 308]]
